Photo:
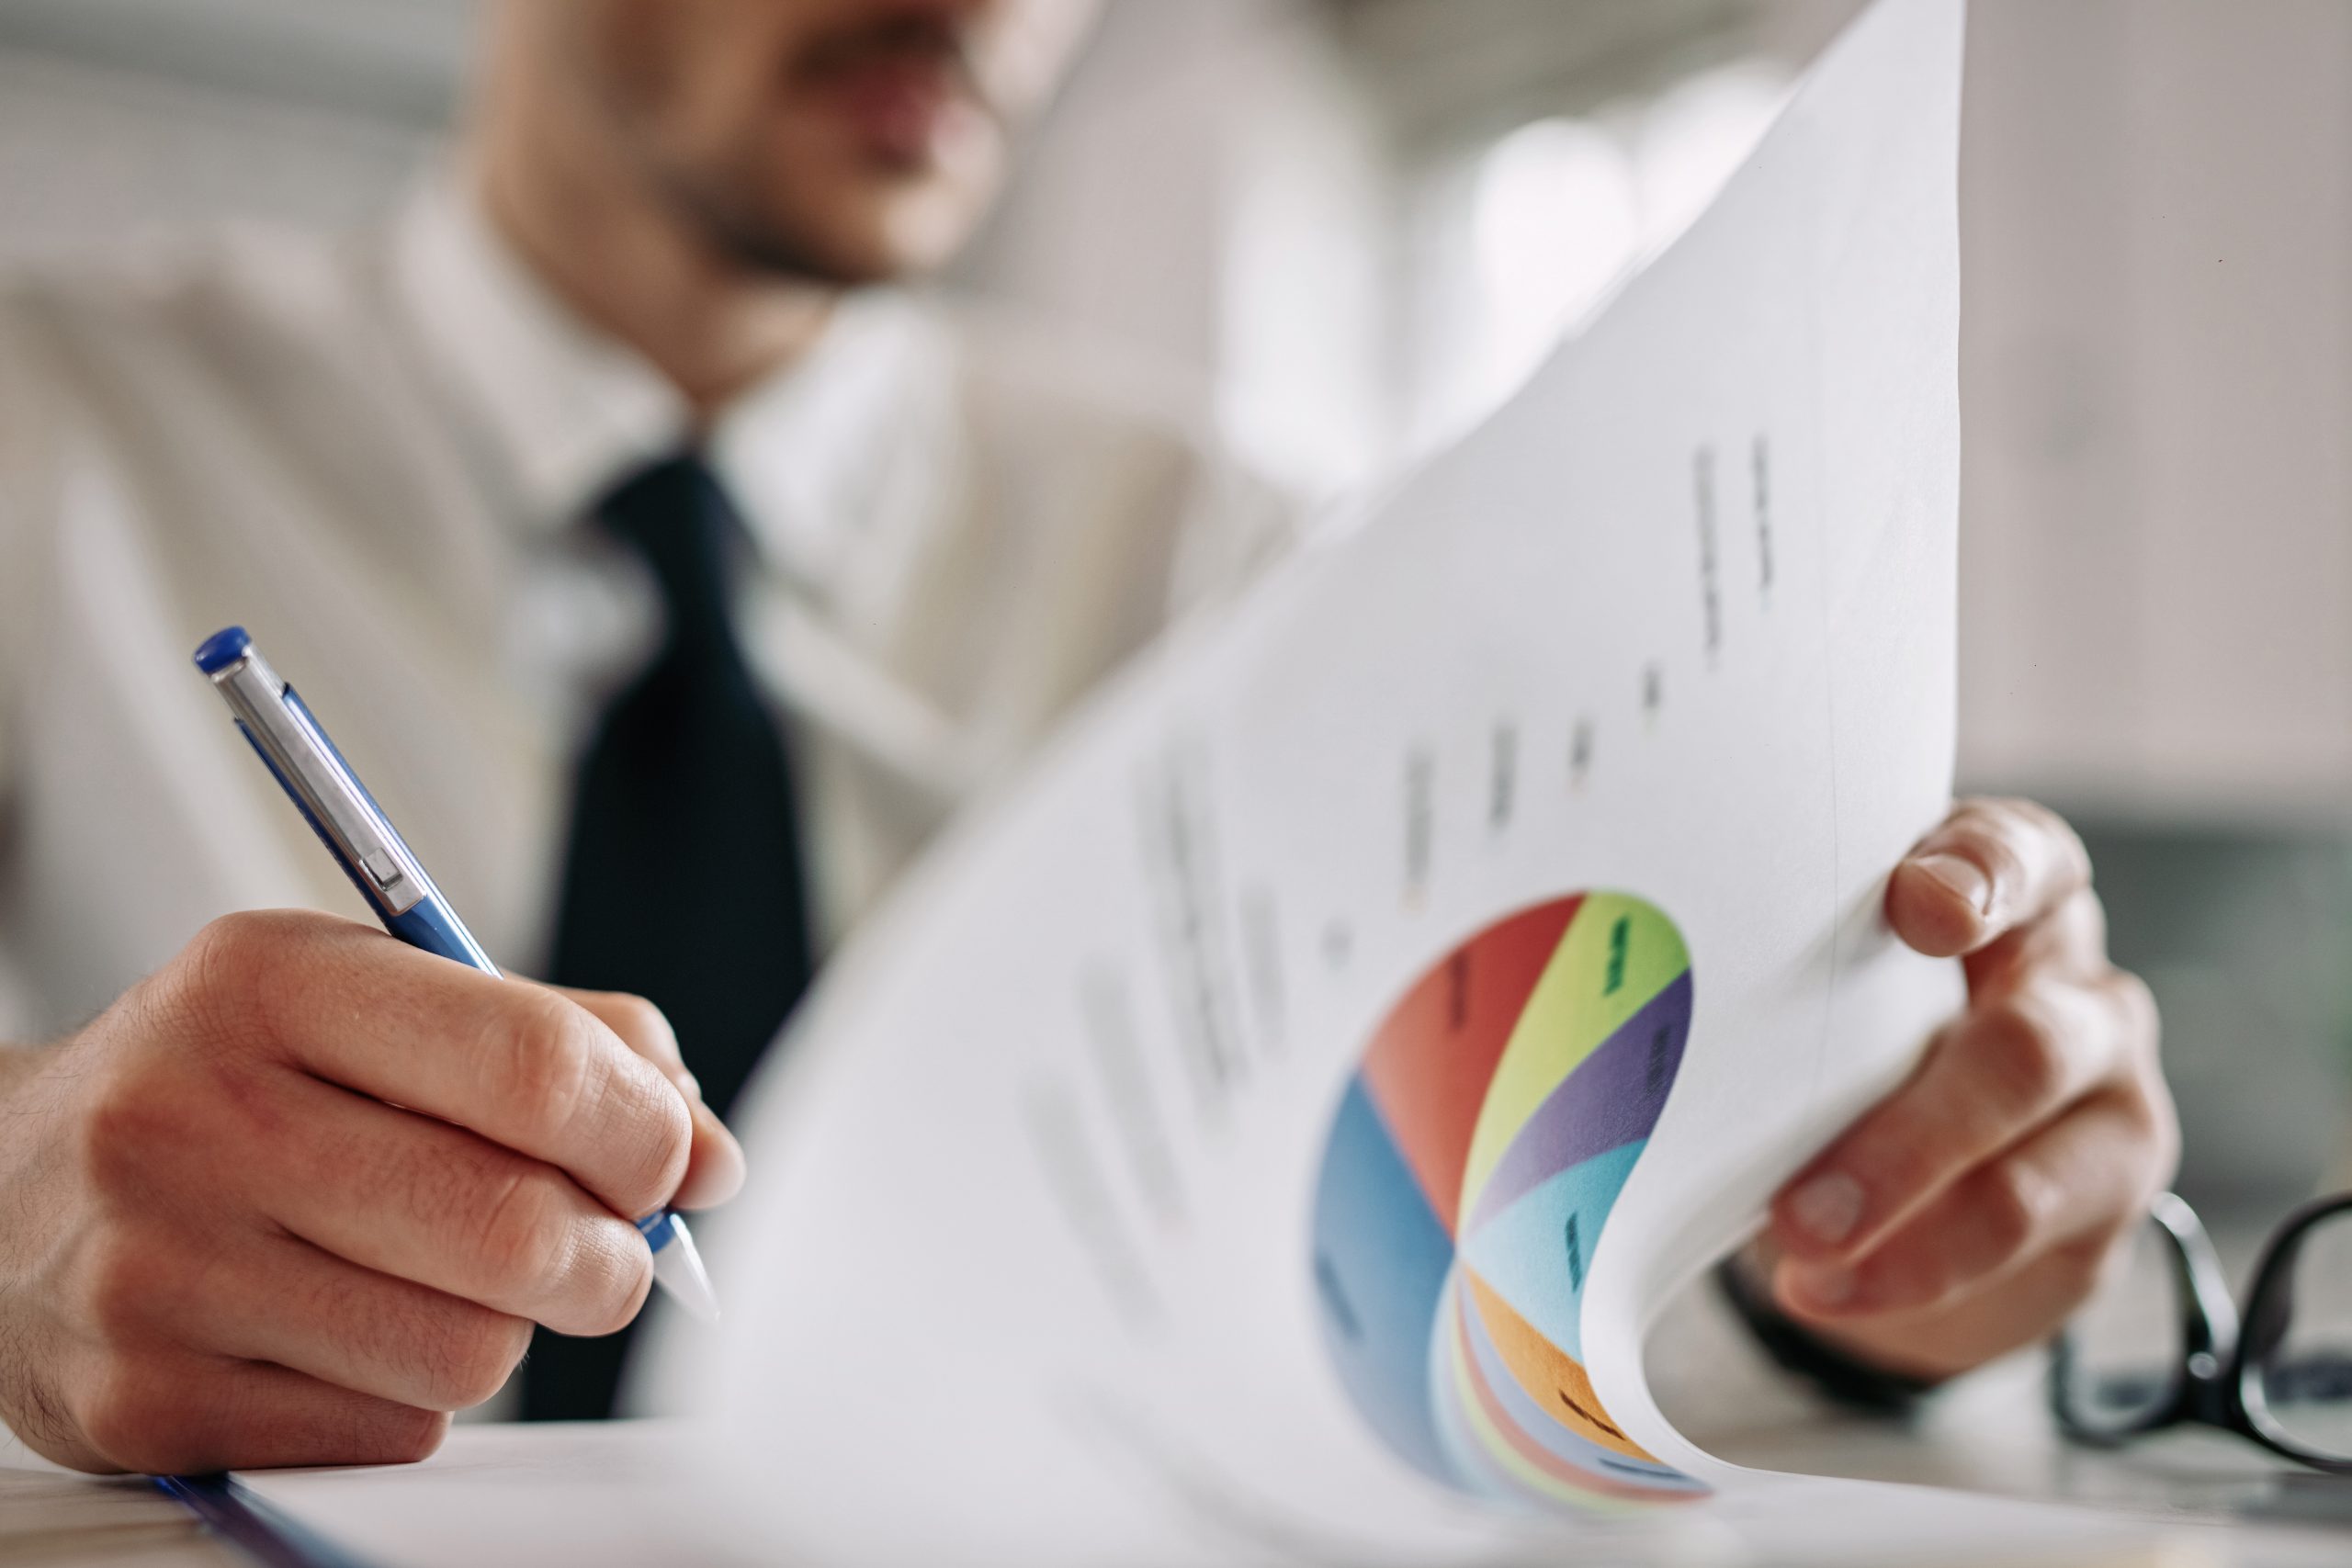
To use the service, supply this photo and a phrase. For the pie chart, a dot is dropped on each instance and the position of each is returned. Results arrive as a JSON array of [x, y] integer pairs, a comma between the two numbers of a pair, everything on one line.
[[1471, 1169]]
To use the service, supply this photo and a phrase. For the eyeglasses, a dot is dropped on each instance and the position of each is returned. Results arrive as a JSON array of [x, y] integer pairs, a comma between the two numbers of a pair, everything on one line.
[[2163, 1343]]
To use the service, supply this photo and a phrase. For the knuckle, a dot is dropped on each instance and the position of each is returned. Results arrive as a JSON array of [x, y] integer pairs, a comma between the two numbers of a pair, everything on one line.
[[597, 1108], [444, 1353], [669, 1143], [129, 1414], [2025, 846], [521, 1241], [2081, 925], [458, 1183], [2136, 1004], [644, 1027], [2010, 1199], [477, 1358], [1999, 853], [235, 985], [1908, 1167], [148, 1118], [223, 974], [570, 1077], [1977, 814], [376, 1431], [223, 945], [126, 1279], [122, 1127], [549, 1056], [2075, 859], [609, 1273], [2022, 1057], [645, 1136], [1989, 830], [399, 1435], [1898, 1154], [1912, 1277], [2022, 820], [345, 1428]]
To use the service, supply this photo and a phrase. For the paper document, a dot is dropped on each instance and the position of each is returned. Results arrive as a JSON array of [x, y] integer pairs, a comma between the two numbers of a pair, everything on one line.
[[1271, 1128], [577, 1495], [629, 1494]]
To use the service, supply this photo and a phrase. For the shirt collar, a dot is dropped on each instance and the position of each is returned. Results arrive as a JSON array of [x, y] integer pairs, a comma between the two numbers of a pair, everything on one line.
[[815, 454], [567, 411], [564, 409]]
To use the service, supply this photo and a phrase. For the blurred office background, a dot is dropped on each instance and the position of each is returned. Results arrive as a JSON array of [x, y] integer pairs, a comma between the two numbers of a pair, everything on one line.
[[1360, 219]]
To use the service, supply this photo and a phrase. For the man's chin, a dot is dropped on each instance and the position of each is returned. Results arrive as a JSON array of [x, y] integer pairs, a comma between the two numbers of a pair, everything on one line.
[[840, 242], [852, 245]]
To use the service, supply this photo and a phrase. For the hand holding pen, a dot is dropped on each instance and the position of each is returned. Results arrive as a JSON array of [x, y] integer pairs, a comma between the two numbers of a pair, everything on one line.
[[302, 1192], [355, 831]]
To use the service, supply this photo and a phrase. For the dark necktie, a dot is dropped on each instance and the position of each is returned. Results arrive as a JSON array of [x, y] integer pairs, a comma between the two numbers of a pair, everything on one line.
[[682, 879]]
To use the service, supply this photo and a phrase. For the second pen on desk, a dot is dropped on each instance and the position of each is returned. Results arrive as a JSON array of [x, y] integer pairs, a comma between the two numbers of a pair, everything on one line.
[[380, 864]]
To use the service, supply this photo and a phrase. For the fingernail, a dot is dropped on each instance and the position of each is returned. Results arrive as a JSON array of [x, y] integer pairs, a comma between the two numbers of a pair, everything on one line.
[[1826, 1287], [1828, 1207], [1963, 876]]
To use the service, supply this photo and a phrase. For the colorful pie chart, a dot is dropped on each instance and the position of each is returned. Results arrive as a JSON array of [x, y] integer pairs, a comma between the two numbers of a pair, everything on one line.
[[1472, 1166]]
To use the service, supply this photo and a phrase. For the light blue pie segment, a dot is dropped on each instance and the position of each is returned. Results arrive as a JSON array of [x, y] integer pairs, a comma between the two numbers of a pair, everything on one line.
[[1536, 1253]]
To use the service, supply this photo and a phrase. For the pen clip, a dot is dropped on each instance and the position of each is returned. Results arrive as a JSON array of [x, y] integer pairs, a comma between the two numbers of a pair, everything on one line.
[[314, 772]]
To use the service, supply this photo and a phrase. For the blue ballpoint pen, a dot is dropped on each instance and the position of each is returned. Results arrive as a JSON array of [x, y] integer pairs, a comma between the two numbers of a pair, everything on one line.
[[357, 832]]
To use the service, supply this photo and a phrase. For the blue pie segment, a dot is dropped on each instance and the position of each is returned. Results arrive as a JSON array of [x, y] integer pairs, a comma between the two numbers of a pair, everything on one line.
[[1381, 1259]]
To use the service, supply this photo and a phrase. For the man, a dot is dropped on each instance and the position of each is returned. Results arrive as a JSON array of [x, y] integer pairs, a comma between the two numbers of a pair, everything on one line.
[[554, 496]]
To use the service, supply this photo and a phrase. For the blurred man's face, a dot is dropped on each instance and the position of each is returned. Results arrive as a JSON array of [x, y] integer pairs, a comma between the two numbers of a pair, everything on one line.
[[849, 141]]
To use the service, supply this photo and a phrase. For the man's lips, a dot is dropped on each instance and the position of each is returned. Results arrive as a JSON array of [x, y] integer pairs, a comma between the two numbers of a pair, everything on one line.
[[903, 106]]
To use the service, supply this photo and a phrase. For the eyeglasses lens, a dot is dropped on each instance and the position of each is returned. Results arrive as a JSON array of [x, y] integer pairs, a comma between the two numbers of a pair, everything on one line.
[[2300, 1344], [2122, 1359]]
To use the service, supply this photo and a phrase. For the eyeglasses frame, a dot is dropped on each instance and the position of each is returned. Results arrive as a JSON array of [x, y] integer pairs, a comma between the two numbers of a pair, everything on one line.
[[2218, 1382]]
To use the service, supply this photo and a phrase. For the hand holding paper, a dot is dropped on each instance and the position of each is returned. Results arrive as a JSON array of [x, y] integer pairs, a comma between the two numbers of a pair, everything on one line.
[[1969, 1213]]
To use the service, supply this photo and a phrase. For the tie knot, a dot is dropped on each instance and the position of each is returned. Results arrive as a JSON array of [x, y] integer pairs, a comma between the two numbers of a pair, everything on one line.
[[675, 514]]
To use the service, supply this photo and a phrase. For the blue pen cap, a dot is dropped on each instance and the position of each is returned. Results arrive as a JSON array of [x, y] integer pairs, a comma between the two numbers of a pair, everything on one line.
[[221, 649]]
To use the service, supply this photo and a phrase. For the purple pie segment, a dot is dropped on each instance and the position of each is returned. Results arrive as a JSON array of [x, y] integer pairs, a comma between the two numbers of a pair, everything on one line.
[[1613, 1097]]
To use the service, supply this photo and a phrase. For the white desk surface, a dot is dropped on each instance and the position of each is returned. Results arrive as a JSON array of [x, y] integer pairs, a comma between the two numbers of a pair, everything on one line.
[[2204, 1501], [2215, 1498]]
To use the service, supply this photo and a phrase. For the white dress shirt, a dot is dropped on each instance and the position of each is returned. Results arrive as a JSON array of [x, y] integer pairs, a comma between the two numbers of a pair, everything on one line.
[[380, 452]]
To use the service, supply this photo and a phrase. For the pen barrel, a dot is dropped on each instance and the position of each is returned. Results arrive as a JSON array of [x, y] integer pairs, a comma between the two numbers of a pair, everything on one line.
[[311, 769], [431, 926]]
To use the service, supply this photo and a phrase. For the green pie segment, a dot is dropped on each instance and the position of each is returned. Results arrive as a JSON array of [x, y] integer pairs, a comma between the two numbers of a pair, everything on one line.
[[1618, 954]]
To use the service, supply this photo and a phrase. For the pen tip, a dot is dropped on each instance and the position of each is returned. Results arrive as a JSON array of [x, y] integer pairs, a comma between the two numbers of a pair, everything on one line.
[[677, 1268]]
